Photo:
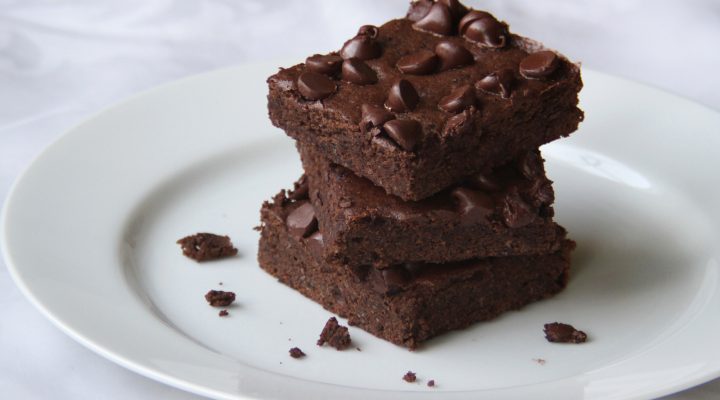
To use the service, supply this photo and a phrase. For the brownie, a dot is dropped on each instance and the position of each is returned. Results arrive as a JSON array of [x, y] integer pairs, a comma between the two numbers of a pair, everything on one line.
[[408, 303], [422, 102], [505, 211]]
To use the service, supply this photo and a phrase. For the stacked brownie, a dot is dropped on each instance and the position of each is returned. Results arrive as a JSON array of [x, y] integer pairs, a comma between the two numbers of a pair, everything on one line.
[[424, 206]]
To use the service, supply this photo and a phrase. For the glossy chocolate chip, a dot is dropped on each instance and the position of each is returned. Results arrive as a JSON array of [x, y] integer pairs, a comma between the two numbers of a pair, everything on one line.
[[459, 124], [314, 86], [438, 20], [370, 31], [328, 64], [363, 47], [530, 164], [301, 222], [315, 242], [405, 132], [418, 9], [458, 100], [457, 10], [539, 65], [516, 212], [422, 62], [487, 32], [374, 116], [499, 83], [471, 16], [355, 70], [474, 206], [402, 97], [452, 55]]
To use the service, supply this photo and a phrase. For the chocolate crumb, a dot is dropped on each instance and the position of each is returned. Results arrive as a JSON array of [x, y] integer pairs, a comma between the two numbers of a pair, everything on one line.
[[358, 349], [296, 353], [539, 361], [563, 333], [219, 298], [409, 377], [220, 283], [334, 335], [207, 246], [223, 313], [431, 383]]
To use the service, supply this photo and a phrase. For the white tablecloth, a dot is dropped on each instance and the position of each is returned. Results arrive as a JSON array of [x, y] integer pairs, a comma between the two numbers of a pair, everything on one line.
[[63, 61]]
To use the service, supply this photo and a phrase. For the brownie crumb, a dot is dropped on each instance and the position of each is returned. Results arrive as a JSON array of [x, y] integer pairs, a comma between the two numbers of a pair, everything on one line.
[[219, 298], [563, 333], [335, 335], [358, 349], [220, 283], [207, 246], [540, 361], [410, 377], [431, 383], [223, 313], [296, 353]]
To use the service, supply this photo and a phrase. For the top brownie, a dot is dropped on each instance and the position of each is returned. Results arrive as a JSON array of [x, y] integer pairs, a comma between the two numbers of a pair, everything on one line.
[[422, 102]]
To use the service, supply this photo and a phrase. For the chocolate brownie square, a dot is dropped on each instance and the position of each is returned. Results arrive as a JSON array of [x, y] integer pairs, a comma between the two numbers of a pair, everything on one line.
[[504, 211], [425, 101], [407, 303]]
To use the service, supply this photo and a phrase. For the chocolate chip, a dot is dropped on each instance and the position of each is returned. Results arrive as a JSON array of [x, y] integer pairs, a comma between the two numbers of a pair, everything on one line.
[[438, 20], [315, 242], [471, 16], [452, 55], [498, 82], [314, 86], [563, 333], [363, 47], [458, 100], [219, 298], [539, 65], [418, 9], [354, 70], [328, 64], [370, 31], [516, 212], [457, 10], [487, 32], [374, 116], [405, 132], [301, 222], [421, 63], [474, 206], [402, 97], [459, 124]]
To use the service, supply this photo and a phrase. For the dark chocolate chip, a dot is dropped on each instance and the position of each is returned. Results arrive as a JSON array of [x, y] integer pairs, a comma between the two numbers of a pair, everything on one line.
[[459, 124], [438, 20], [219, 298], [315, 242], [363, 47], [301, 222], [402, 97], [452, 55], [487, 32], [354, 70], [405, 132], [374, 116], [474, 206], [457, 10], [370, 31], [563, 333], [421, 63], [516, 212], [498, 82], [328, 64], [471, 16], [458, 100], [539, 65], [314, 86], [418, 9]]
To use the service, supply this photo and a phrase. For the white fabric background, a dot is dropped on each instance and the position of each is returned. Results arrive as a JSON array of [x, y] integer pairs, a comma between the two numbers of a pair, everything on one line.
[[63, 61]]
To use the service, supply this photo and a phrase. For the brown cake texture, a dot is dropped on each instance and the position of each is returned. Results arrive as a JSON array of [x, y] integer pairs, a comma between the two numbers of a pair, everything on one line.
[[425, 101]]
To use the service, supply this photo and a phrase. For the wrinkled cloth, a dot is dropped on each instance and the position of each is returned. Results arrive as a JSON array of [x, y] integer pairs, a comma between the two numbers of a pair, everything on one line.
[[61, 62]]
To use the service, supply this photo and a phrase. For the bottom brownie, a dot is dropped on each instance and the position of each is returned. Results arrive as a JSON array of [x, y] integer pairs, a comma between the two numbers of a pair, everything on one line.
[[409, 303]]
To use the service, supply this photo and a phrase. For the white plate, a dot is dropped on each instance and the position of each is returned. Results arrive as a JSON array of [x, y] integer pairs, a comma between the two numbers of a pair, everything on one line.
[[89, 234]]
